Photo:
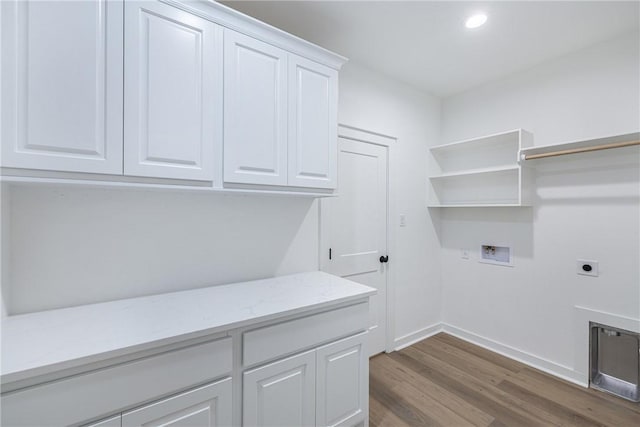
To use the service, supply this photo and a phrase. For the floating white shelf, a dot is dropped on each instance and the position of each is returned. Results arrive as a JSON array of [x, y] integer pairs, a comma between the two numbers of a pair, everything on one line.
[[485, 205], [577, 146], [486, 140], [479, 172], [474, 172]]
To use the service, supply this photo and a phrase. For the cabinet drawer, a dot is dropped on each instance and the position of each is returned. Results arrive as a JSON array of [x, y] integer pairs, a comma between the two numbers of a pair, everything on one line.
[[288, 337], [106, 391]]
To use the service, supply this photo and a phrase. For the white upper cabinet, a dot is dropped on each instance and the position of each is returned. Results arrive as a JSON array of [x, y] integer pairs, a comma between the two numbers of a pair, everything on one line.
[[280, 117], [313, 128], [62, 66], [173, 93], [255, 131], [175, 90]]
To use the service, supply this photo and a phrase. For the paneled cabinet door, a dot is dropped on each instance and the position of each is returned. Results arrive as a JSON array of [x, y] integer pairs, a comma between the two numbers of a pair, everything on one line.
[[313, 128], [281, 393], [173, 93], [109, 422], [206, 406], [343, 382], [255, 106], [62, 85]]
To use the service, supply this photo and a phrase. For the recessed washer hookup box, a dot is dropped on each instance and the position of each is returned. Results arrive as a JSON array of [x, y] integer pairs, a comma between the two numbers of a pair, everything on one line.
[[614, 361]]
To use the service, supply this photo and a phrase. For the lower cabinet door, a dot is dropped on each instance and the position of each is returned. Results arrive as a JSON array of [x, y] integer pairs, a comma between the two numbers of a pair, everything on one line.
[[343, 382], [115, 421], [208, 406], [281, 393]]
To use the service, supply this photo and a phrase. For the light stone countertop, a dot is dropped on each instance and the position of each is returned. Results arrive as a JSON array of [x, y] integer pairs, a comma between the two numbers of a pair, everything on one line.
[[45, 342]]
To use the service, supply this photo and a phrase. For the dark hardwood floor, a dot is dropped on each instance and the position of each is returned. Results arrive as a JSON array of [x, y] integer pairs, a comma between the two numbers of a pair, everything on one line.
[[444, 381]]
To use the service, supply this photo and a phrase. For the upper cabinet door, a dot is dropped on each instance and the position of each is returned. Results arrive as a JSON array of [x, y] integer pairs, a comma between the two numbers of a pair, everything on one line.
[[62, 85], [173, 93], [255, 120], [313, 129]]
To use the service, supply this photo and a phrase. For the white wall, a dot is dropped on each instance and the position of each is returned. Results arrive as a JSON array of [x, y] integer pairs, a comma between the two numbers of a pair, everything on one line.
[[73, 246], [373, 102], [585, 206], [593, 92]]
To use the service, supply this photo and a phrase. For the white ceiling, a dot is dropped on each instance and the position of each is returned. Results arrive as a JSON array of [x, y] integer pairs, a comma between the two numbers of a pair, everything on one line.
[[425, 43]]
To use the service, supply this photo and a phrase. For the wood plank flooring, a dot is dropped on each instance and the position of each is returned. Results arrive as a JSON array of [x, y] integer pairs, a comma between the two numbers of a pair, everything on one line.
[[444, 381]]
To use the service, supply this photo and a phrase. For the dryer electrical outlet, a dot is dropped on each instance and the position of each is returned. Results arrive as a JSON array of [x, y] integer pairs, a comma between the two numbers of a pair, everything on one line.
[[587, 267]]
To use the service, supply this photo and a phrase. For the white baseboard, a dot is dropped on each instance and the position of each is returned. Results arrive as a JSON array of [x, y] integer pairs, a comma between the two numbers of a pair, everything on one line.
[[414, 337], [544, 365], [529, 359]]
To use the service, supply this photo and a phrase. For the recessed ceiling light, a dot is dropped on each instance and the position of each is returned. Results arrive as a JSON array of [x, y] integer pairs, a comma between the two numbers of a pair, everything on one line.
[[476, 20]]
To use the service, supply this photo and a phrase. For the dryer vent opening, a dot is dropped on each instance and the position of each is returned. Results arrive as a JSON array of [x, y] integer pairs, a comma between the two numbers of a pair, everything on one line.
[[615, 361]]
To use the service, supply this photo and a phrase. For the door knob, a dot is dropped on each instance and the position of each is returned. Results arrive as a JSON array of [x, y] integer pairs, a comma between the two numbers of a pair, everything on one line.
[[384, 258]]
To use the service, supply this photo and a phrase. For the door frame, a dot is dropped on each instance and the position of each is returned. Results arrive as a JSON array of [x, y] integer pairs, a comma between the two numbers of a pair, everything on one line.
[[361, 135]]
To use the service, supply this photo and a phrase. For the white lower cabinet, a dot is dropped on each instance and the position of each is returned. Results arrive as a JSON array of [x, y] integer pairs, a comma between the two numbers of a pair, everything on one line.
[[281, 393], [109, 390], [328, 386], [305, 370], [342, 389], [207, 406], [109, 422]]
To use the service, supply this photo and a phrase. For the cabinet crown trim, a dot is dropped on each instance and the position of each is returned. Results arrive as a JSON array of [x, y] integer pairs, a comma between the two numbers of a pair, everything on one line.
[[252, 27]]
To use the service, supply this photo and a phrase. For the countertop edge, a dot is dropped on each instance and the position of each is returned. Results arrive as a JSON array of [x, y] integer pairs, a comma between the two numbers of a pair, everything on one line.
[[219, 331]]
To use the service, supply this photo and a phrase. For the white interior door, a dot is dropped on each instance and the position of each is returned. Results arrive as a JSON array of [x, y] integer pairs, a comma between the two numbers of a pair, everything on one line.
[[354, 227]]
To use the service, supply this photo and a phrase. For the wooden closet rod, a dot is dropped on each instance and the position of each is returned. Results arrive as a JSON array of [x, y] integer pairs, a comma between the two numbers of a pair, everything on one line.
[[581, 150]]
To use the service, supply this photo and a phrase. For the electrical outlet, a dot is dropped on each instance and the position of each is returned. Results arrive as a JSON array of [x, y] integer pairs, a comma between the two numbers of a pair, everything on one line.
[[403, 220], [587, 267]]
